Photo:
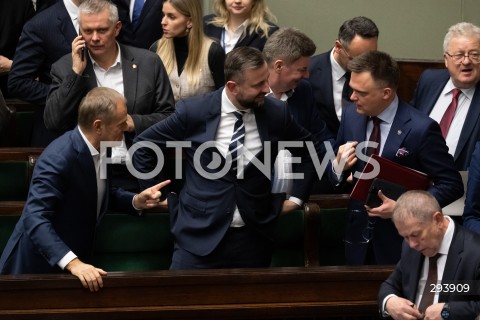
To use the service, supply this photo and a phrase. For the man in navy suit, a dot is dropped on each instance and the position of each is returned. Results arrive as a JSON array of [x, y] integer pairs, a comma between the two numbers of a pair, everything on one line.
[[224, 217], [435, 88], [407, 137], [98, 60], [329, 73], [288, 53], [44, 39], [68, 196], [148, 29], [431, 240]]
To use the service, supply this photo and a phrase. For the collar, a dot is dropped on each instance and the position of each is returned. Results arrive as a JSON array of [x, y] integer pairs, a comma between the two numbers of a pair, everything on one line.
[[240, 29], [467, 92], [337, 71], [228, 106], [447, 238], [389, 113], [91, 148], [285, 95], [117, 62]]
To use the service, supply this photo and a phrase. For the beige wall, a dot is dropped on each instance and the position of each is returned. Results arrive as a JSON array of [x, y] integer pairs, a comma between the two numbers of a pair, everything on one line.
[[409, 29]]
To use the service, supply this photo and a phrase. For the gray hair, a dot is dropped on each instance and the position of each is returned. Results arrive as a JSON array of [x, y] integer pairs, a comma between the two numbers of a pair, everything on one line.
[[99, 103], [461, 29], [418, 204], [97, 6]]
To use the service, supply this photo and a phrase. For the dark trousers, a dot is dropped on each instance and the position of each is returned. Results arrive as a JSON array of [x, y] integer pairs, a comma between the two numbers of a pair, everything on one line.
[[239, 248]]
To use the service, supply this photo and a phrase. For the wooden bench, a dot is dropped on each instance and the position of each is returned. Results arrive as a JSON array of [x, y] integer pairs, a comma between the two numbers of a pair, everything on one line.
[[19, 130], [320, 292]]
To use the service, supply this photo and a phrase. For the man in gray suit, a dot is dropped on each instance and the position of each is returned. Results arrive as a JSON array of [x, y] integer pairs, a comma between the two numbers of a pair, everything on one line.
[[98, 60]]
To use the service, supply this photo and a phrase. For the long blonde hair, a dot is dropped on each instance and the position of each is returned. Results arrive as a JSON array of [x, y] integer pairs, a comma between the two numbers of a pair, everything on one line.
[[198, 43], [258, 19]]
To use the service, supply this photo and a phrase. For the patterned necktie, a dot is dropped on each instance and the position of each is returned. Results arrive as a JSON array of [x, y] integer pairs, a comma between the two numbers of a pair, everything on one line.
[[137, 10], [449, 113], [238, 137], [375, 137], [428, 293]]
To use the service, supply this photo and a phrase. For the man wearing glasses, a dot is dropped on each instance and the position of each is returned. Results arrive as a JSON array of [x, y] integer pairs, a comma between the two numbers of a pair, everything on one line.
[[449, 95], [329, 75]]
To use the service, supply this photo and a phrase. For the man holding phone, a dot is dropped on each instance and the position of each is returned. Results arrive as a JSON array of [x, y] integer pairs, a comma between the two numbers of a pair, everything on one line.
[[98, 60]]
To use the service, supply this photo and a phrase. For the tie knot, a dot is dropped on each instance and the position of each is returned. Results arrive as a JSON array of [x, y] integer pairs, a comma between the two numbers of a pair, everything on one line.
[[456, 93], [434, 258], [347, 75], [239, 114], [376, 121]]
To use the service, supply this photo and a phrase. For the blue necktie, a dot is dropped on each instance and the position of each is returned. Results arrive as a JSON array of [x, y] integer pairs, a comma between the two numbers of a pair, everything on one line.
[[137, 10], [238, 137]]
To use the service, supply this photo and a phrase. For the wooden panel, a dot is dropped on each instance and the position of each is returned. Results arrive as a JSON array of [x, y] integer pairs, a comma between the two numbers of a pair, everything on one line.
[[321, 292], [410, 71]]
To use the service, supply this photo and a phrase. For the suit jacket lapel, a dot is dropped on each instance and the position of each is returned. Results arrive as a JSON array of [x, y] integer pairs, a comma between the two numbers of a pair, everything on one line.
[[454, 258], [65, 25], [130, 76], [416, 259], [326, 68], [398, 131], [473, 116]]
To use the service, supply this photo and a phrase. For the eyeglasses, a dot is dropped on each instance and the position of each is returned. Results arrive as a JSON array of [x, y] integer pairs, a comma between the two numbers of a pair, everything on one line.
[[458, 58], [345, 50]]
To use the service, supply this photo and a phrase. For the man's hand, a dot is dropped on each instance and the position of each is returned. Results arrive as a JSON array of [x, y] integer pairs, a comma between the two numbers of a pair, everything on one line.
[[402, 309], [150, 198], [5, 64], [385, 211], [79, 56], [289, 206], [434, 312], [346, 157], [90, 276]]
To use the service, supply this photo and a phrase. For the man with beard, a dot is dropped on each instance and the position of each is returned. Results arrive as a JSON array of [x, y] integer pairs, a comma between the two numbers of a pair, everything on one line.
[[224, 215]]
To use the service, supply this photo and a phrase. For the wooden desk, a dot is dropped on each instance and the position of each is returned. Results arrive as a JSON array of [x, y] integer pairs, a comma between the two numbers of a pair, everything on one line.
[[321, 292]]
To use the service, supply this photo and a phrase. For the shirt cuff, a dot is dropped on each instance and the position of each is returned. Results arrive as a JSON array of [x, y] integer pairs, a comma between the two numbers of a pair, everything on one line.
[[338, 176], [296, 200], [66, 260], [139, 211], [385, 314]]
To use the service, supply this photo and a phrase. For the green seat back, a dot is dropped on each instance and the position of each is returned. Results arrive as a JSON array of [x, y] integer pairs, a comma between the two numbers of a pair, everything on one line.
[[7, 224], [14, 180], [130, 243], [289, 241], [331, 235]]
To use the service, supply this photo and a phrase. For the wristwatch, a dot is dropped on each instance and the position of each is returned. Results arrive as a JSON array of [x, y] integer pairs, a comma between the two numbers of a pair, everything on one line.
[[445, 311]]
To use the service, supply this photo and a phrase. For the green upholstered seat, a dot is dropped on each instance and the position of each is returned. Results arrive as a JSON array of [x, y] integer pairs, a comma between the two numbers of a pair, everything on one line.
[[289, 241]]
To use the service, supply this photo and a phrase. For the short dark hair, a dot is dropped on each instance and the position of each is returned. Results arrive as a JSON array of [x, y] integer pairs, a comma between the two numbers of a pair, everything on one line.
[[361, 26], [99, 103], [240, 59], [383, 68], [288, 44]]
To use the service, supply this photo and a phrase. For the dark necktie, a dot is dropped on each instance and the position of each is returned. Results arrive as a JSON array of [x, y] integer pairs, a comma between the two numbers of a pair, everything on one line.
[[375, 137], [238, 137], [137, 10], [449, 113], [347, 91], [428, 293]]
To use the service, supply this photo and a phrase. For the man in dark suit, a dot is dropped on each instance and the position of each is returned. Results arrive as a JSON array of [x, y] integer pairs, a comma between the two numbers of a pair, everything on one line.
[[438, 255], [405, 136], [68, 196], [98, 60], [288, 53], [329, 73], [147, 30], [435, 91], [224, 215], [44, 39], [12, 20]]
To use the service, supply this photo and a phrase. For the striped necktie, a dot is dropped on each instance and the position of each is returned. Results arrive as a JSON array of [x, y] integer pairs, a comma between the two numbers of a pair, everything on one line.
[[238, 138]]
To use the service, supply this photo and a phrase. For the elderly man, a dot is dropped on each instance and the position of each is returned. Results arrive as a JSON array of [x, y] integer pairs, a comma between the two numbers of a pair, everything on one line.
[[438, 273]]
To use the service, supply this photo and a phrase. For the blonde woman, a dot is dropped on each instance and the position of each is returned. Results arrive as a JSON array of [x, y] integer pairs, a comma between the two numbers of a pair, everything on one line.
[[194, 62], [238, 23]]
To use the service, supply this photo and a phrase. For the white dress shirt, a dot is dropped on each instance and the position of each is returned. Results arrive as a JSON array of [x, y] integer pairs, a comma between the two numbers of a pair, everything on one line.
[[338, 80], [230, 37], [72, 10], [463, 105]]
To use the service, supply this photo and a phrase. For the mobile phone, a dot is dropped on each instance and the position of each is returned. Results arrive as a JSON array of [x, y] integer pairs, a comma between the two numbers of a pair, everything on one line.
[[389, 189], [82, 53]]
